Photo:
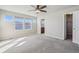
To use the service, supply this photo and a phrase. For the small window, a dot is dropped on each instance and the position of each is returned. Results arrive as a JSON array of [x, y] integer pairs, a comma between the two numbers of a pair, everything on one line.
[[8, 18], [28, 23], [19, 23]]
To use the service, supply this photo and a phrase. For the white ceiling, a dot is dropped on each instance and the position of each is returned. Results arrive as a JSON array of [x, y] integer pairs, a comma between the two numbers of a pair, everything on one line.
[[25, 8], [53, 8], [18, 8]]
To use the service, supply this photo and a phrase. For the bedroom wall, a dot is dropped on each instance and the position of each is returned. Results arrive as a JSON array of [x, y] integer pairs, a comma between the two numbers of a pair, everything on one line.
[[55, 25], [8, 31], [55, 22]]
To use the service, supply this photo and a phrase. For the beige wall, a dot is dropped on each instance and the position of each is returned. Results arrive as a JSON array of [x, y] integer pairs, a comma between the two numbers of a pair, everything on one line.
[[7, 30]]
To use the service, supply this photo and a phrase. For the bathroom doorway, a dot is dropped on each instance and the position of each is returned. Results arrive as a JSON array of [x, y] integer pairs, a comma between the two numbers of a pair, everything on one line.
[[69, 26], [42, 26]]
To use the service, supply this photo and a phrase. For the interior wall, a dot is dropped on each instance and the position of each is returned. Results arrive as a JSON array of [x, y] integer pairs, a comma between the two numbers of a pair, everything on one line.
[[55, 22], [55, 25], [8, 31]]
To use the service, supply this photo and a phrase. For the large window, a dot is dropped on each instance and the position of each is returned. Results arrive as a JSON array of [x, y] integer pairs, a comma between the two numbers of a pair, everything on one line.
[[28, 23], [19, 23]]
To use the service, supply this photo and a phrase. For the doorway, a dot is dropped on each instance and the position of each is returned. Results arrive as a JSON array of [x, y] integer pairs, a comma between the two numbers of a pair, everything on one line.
[[69, 26], [42, 26]]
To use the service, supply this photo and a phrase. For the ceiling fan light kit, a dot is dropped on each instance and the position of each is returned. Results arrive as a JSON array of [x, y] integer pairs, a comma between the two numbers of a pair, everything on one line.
[[37, 11]]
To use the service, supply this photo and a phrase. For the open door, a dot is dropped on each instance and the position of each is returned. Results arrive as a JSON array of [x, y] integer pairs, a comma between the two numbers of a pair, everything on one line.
[[69, 26], [42, 26]]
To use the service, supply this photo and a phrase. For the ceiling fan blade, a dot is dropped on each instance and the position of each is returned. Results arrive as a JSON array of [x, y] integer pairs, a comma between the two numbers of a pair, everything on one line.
[[43, 10], [43, 7]]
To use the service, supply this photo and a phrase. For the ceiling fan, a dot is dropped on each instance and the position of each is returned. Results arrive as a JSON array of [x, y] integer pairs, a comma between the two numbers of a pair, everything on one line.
[[39, 8]]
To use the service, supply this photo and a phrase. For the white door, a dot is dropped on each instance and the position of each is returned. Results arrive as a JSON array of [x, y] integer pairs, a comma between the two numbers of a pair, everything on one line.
[[76, 27]]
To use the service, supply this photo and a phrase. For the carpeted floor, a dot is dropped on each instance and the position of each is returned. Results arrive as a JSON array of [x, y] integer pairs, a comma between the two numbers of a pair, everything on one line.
[[38, 44]]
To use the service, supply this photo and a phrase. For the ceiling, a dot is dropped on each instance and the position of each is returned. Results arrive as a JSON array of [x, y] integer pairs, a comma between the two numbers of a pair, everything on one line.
[[24, 8], [53, 8]]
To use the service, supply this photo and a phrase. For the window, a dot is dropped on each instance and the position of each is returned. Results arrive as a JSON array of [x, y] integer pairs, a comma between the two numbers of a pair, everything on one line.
[[28, 23], [19, 23], [8, 18]]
